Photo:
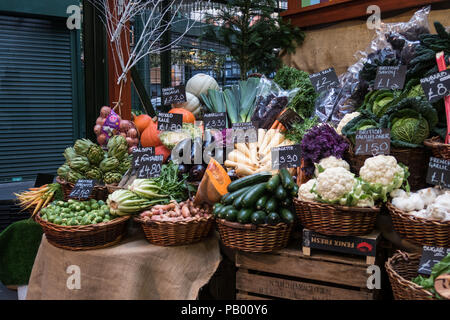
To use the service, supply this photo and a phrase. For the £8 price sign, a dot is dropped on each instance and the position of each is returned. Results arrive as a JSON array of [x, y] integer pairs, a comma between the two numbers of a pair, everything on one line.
[[286, 157]]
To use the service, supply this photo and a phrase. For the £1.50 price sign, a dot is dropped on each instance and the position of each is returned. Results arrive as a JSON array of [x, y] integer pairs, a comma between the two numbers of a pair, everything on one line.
[[373, 142], [286, 157]]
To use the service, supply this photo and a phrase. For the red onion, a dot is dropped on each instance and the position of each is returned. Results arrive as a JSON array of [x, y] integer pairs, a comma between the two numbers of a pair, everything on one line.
[[100, 121], [132, 133], [105, 111], [101, 139], [130, 141], [130, 149], [123, 134], [97, 129], [125, 125], [135, 141]]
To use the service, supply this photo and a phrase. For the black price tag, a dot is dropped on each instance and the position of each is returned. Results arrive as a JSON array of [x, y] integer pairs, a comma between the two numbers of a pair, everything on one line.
[[82, 189], [430, 257], [245, 132], [139, 154], [150, 167], [324, 80], [373, 142], [439, 172], [170, 121], [390, 77], [286, 157], [216, 120], [436, 86], [288, 118], [173, 95]]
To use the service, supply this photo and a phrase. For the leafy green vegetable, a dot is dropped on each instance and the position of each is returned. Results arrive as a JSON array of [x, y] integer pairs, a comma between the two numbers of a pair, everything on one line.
[[442, 267], [362, 122], [298, 129]]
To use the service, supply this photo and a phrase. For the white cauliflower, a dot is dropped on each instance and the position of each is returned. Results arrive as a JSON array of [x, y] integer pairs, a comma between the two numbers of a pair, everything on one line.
[[330, 162], [304, 192], [334, 183], [367, 202], [346, 119]]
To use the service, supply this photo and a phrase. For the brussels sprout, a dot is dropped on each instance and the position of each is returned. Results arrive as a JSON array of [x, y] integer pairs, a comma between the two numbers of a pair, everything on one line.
[[60, 203], [95, 206], [57, 220], [101, 202], [98, 219], [70, 201], [100, 213], [87, 208], [78, 208]]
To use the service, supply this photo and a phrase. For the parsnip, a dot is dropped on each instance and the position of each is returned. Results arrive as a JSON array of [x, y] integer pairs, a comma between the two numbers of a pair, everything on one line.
[[267, 138], [243, 148], [239, 157], [253, 147], [261, 134], [277, 139], [230, 163], [244, 170]]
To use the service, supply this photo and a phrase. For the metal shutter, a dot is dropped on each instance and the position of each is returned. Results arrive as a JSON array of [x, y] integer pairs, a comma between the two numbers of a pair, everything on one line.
[[36, 116]]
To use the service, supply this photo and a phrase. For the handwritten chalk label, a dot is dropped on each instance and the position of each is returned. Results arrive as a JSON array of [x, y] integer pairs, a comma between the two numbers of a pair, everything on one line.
[[439, 172], [286, 157], [139, 153], [430, 257], [390, 77], [373, 142], [288, 118], [170, 121], [436, 86], [324, 80], [173, 95], [82, 189], [150, 166], [217, 120]]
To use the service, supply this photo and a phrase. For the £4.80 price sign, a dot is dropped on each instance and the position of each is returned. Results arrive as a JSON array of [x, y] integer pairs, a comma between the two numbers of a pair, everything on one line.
[[286, 157], [150, 166]]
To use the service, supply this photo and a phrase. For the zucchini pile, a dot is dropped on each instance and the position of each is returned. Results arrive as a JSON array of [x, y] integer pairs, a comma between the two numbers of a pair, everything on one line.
[[259, 199]]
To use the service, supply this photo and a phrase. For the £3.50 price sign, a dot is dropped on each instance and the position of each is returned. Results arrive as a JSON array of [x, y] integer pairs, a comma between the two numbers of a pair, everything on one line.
[[286, 157]]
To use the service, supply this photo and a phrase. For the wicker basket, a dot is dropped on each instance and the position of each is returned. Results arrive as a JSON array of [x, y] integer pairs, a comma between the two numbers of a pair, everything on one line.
[[88, 237], [254, 238], [164, 233], [336, 220], [98, 193], [401, 268], [438, 147], [112, 187], [420, 231], [416, 159]]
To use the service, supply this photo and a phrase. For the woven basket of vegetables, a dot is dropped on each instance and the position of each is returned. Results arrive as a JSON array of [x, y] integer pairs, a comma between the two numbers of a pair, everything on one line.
[[438, 147], [176, 224], [419, 230], [98, 193], [67, 227], [402, 268]]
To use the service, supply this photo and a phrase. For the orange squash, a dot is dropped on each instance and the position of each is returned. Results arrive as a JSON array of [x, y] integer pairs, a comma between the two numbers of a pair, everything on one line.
[[187, 115], [142, 122], [164, 151], [150, 138]]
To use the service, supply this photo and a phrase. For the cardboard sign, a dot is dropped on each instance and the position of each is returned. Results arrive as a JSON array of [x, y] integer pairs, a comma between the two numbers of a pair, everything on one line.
[[390, 77], [439, 172], [324, 80], [436, 86], [82, 189], [217, 120], [288, 118], [170, 121], [373, 142], [141, 154], [431, 256], [286, 157], [149, 167], [173, 95]]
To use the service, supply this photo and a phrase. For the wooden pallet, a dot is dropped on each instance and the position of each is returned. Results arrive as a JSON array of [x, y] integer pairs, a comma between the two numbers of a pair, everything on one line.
[[289, 274]]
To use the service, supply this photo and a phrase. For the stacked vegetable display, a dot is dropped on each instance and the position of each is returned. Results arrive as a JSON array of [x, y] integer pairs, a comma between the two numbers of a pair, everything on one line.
[[259, 199]]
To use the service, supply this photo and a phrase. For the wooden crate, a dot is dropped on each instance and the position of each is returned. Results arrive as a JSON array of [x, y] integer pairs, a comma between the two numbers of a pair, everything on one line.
[[289, 274]]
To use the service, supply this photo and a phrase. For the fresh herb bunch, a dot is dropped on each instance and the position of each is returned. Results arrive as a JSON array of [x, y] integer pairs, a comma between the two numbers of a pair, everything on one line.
[[320, 142], [298, 129], [170, 183]]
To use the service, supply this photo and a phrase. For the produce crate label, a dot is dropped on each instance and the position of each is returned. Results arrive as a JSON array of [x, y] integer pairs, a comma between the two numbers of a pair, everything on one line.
[[390, 77], [173, 95], [286, 157], [245, 132], [111, 125], [436, 86], [373, 142], [288, 118], [430, 257], [439, 172], [324, 80], [82, 189], [141, 154], [363, 246], [217, 120], [150, 167], [170, 121]]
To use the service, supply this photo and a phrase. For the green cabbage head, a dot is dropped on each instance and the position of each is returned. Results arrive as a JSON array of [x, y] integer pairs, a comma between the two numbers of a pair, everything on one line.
[[411, 130]]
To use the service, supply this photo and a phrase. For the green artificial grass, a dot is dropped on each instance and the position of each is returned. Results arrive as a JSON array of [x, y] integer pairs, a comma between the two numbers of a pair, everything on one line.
[[19, 244]]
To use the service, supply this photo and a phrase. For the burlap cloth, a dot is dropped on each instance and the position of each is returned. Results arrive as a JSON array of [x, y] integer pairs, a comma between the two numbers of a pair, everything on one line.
[[133, 269]]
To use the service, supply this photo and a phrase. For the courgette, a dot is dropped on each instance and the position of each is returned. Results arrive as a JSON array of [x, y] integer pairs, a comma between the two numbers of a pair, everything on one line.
[[280, 193], [294, 191], [221, 213], [258, 217], [216, 208], [286, 216], [271, 205], [261, 202], [253, 195], [225, 197], [286, 179], [234, 195], [231, 214], [249, 181], [273, 183], [273, 218], [244, 216], [237, 203]]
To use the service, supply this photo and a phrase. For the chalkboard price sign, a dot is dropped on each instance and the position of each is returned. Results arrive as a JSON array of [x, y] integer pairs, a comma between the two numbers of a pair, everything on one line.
[[245, 132], [436, 86], [150, 167], [373, 142], [173, 95], [82, 189], [390, 77], [324, 80], [288, 118], [217, 120], [431, 256], [170, 121], [141, 153], [439, 172], [286, 157]]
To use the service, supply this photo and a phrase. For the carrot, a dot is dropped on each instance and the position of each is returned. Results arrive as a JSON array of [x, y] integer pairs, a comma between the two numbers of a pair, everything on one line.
[[274, 124], [47, 200], [38, 207]]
